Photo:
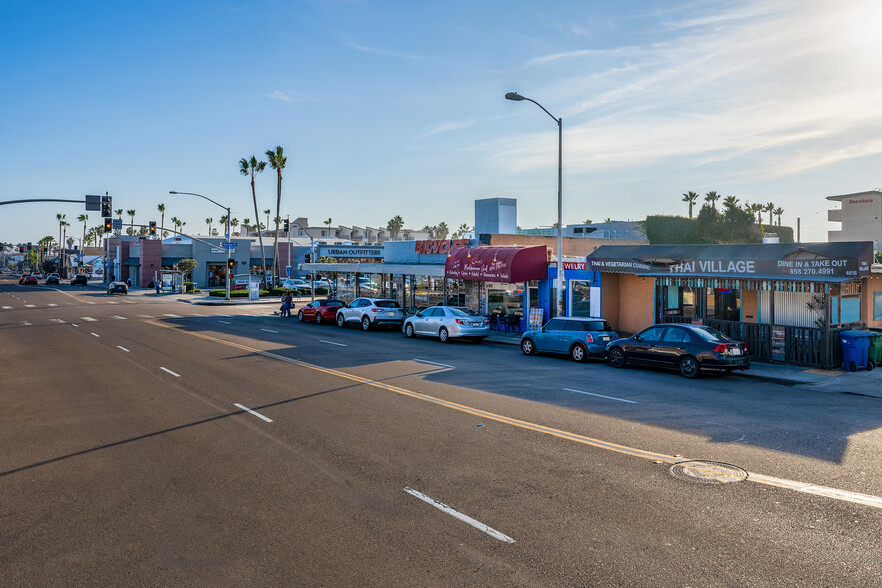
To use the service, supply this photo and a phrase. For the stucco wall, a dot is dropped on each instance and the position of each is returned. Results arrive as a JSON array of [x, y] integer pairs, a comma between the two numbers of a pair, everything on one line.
[[572, 246], [627, 301], [869, 287]]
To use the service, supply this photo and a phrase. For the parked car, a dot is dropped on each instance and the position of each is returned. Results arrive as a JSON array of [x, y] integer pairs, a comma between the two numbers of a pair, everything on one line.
[[30, 279], [52, 278], [689, 348], [296, 284], [371, 312], [445, 322], [79, 280], [22, 277], [120, 287], [578, 337], [320, 311]]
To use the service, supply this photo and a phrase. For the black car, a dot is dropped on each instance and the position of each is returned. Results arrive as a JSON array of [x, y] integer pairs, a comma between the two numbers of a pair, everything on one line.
[[52, 279], [79, 280], [30, 279], [688, 348], [120, 287]]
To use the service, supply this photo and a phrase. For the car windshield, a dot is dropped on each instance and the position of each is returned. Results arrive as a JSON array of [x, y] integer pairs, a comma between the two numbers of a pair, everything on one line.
[[464, 311], [712, 335], [386, 304]]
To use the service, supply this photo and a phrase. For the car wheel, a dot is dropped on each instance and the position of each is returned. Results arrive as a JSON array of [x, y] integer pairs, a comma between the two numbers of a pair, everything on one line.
[[528, 347], [318, 318], [870, 365], [300, 316], [616, 357], [689, 367], [408, 331], [443, 335], [340, 321], [577, 353], [365, 323]]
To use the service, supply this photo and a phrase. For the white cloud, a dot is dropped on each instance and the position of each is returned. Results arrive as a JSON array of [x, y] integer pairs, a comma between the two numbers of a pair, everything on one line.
[[279, 95]]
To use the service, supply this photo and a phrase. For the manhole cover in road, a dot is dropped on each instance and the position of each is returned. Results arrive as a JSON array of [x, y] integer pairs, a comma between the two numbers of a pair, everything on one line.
[[708, 472]]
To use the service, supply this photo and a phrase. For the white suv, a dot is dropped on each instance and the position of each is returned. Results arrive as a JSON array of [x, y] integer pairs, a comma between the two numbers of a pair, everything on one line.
[[371, 312]]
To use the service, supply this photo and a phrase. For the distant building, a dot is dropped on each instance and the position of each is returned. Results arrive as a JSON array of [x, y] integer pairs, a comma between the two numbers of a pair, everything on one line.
[[608, 230], [860, 215], [496, 215]]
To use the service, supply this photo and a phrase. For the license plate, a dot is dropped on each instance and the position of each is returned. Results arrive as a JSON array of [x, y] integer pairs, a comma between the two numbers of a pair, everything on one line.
[[736, 351], [476, 324], [604, 338], [390, 313]]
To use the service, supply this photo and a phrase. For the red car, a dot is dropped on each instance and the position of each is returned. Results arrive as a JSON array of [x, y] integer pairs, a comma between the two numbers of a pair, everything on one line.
[[321, 311]]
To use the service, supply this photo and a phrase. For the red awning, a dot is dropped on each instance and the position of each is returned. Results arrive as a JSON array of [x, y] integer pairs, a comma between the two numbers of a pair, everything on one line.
[[498, 264]]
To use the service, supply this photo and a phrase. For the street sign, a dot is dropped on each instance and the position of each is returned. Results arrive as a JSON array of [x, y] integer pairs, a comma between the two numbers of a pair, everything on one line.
[[229, 245], [93, 202], [116, 223]]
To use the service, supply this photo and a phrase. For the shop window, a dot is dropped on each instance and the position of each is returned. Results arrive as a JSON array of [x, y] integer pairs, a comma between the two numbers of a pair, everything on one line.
[[877, 306], [581, 298], [850, 310]]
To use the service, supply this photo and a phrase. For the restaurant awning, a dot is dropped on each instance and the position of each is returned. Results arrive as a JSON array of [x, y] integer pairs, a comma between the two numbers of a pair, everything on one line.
[[498, 264]]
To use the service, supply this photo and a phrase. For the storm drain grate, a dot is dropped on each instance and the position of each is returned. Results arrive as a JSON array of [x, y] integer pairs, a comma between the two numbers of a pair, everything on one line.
[[708, 472]]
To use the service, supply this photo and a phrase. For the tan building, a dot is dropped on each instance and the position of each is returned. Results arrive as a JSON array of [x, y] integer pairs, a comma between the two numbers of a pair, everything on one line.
[[860, 215]]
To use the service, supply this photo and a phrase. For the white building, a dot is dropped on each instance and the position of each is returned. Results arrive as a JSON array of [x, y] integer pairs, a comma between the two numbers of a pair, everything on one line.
[[860, 215]]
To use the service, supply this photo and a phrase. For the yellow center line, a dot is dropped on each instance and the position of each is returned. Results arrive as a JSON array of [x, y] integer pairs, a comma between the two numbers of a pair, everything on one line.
[[804, 487]]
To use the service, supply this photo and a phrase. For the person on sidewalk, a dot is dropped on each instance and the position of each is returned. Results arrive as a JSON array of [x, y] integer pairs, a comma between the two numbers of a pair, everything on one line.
[[287, 301]]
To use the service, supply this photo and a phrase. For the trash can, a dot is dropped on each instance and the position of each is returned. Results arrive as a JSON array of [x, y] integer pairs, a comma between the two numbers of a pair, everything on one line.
[[874, 352], [855, 349]]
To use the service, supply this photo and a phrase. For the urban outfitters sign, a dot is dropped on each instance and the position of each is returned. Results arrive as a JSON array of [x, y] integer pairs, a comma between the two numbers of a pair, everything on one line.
[[357, 252]]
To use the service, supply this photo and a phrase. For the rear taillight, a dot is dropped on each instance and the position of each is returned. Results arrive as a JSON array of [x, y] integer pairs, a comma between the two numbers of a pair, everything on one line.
[[375, 310], [462, 322], [722, 348], [745, 348], [589, 338]]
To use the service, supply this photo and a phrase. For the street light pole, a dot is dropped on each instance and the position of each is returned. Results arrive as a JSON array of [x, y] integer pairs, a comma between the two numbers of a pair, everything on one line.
[[229, 251], [311, 257], [559, 281]]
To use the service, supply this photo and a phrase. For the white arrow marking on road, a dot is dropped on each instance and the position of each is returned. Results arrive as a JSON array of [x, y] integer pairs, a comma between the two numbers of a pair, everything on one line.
[[433, 363], [57, 321], [269, 331], [332, 343], [458, 515], [601, 396], [27, 324], [75, 325], [123, 348], [169, 371], [254, 412]]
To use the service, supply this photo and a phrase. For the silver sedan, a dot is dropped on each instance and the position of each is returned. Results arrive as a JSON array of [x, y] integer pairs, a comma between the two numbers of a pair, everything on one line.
[[445, 322]]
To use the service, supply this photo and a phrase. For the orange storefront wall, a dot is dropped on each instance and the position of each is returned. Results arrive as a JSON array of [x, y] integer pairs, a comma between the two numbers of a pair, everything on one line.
[[627, 301]]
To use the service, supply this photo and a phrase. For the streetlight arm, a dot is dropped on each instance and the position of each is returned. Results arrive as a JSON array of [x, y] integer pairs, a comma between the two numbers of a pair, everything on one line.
[[201, 196], [517, 98]]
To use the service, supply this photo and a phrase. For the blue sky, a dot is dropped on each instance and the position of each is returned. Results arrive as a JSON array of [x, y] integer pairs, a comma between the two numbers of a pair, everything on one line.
[[388, 108]]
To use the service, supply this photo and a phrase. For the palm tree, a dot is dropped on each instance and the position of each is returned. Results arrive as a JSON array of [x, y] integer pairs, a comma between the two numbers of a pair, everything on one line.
[[730, 201], [267, 213], [119, 213], [712, 197], [208, 222], [60, 218], [441, 230], [64, 224], [769, 207], [83, 218], [247, 224], [234, 223], [223, 222], [176, 223], [131, 213], [161, 209], [394, 225], [277, 161], [778, 212], [757, 209], [690, 197], [328, 222], [250, 167], [462, 230], [430, 231]]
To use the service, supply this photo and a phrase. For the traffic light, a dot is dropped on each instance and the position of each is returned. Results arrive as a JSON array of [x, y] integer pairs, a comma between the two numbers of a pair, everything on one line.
[[286, 226], [307, 258], [152, 228], [106, 206], [108, 224], [231, 263]]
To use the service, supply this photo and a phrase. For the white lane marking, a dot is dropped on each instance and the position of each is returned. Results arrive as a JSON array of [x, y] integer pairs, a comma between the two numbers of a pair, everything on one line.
[[95, 335], [129, 301], [269, 331], [458, 515], [856, 497], [145, 316], [57, 320], [433, 363], [169, 371], [87, 302], [171, 315], [121, 318], [254, 412], [30, 306], [7, 308], [225, 322], [27, 324], [51, 304], [332, 343], [601, 396], [123, 348], [88, 319], [75, 325]]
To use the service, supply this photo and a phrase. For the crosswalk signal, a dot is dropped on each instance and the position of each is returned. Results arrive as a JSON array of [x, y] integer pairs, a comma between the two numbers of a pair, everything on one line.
[[108, 224], [231, 263], [152, 228]]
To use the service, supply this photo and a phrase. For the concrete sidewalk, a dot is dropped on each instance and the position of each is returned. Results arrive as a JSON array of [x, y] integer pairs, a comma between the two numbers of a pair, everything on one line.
[[861, 382]]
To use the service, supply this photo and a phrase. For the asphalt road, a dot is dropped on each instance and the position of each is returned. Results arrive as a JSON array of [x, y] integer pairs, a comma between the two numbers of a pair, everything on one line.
[[152, 442]]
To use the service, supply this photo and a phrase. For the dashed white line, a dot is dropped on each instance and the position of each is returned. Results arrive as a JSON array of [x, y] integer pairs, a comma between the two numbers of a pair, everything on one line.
[[169, 371], [88, 319], [30, 306], [75, 325], [458, 515], [95, 335], [120, 318], [57, 320], [269, 331], [112, 302], [51, 304], [434, 363], [254, 412], [333, 343], [171, 315], [87, 302], [123, 348], [601, 396], [225, 322], [7, 308], [27, 324]]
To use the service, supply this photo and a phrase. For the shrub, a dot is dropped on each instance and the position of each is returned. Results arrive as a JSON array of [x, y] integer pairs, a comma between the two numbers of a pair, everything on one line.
[[235, 293]]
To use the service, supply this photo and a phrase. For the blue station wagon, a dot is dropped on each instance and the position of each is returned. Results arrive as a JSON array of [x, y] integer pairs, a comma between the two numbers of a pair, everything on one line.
[[578, 337]]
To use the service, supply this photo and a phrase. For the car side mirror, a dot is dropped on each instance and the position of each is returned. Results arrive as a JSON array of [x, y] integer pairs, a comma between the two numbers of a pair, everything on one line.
[[636, 337]]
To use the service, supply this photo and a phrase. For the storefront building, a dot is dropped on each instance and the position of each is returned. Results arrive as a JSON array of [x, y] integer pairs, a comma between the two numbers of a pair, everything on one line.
[[788, 302]]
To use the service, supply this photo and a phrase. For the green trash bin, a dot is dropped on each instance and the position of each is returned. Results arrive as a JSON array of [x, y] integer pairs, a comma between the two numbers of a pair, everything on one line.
[[875, 352]]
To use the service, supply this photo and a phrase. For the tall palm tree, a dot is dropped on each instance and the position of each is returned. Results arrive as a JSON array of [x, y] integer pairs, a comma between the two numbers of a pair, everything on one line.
[[394, 225], [712, 197], [769, 207], [119, 213], [60, 218], [690, 197], [83, 218], [64, 224], [757, 209], [208, 222], [329, 222], [234, 222], [730, 201], [277, 161], [223, 222], [161, 209], [250, 167], [247, 224], [778, 212], [131, 213], [176, 223]]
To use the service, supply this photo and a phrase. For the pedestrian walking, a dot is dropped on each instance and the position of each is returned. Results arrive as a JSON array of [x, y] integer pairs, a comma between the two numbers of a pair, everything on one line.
[[158, 285], [287, 302]]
